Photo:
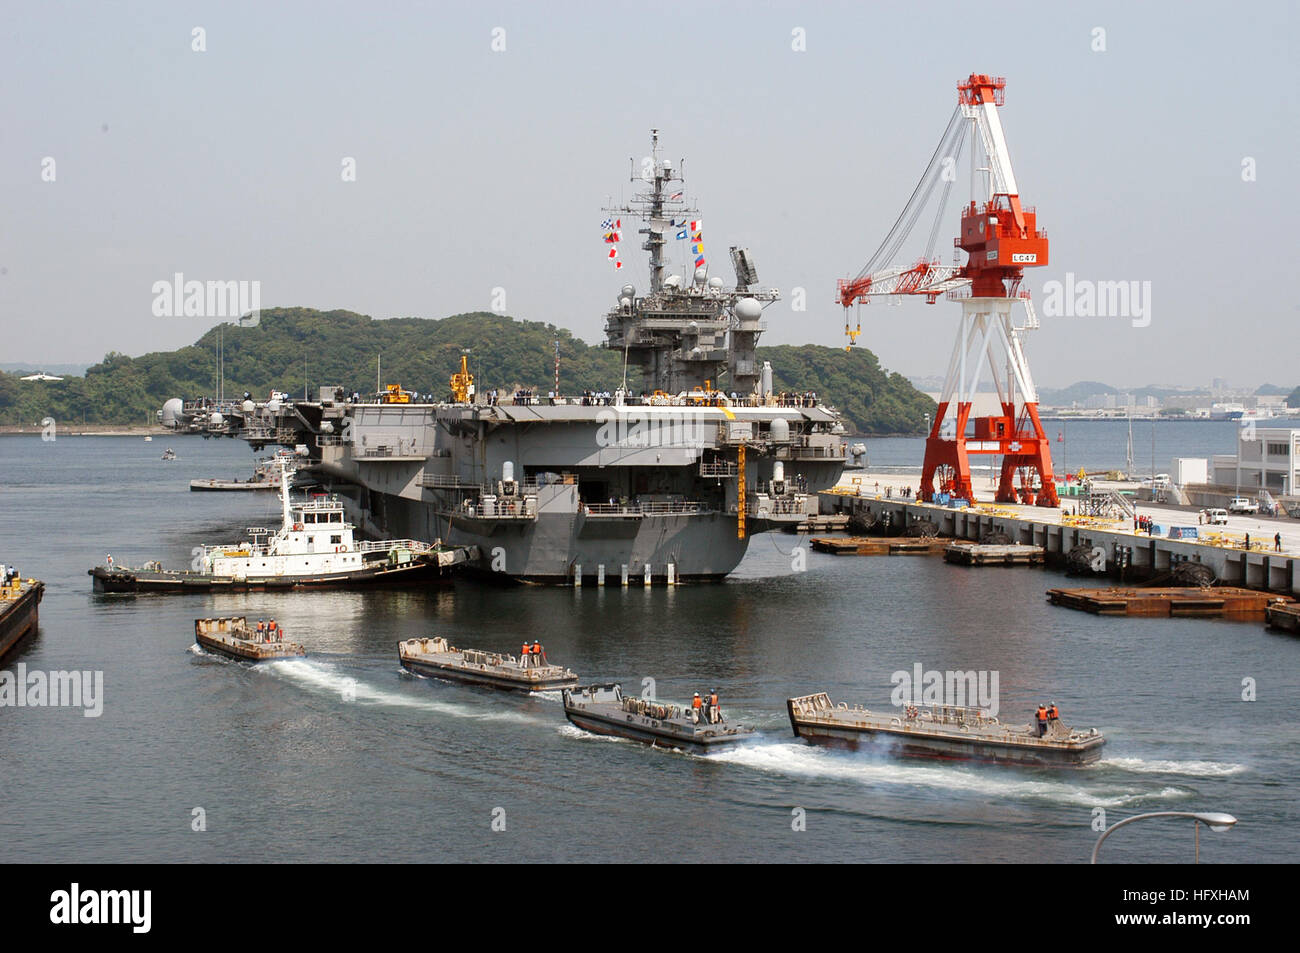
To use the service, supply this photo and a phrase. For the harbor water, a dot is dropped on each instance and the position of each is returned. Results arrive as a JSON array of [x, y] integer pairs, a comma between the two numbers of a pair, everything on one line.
[[1094, 444], [342, 756]]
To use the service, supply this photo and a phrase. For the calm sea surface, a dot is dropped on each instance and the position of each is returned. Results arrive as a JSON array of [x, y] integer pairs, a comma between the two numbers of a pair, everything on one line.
[[284, 768], [1096, 445]]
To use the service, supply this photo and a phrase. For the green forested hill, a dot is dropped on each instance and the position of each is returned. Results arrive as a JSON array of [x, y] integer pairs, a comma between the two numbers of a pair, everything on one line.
[[296, 346]]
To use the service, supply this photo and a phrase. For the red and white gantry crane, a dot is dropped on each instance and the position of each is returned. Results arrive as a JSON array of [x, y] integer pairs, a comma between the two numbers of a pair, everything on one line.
[[1001, 238]]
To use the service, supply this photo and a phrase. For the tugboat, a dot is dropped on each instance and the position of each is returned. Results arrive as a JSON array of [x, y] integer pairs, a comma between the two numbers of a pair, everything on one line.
[[313, 549], [20, 600], [941, 731], [234, 639], [529, 673], [605, 710]]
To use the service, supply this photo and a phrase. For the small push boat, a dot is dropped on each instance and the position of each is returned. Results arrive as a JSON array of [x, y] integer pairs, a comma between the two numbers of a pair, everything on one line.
[[234, 638], [605, 710], [527, 673]]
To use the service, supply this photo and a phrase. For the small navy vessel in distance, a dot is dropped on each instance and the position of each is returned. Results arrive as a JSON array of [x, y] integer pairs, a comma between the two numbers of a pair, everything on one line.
[[528, 673], [605, 710]]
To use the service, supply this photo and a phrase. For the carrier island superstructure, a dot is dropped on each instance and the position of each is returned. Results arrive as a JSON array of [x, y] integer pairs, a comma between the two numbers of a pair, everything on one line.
[[663, 479]]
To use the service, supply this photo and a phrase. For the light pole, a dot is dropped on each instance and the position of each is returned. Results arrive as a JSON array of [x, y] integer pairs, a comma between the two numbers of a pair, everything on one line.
[[1216, 821]]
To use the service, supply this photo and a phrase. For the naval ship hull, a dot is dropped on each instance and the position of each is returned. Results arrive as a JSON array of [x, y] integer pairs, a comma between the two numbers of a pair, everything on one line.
[[19, 617], [553, 548]]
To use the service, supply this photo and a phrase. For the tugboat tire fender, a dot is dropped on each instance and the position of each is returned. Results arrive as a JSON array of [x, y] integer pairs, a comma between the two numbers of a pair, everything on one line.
[[895, 722]]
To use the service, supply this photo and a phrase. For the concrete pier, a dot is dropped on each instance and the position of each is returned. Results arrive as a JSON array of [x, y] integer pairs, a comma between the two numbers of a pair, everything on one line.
[[1118, 551]]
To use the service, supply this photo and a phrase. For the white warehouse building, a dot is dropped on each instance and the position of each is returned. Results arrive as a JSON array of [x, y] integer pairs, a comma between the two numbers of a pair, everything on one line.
[[1267, 458]]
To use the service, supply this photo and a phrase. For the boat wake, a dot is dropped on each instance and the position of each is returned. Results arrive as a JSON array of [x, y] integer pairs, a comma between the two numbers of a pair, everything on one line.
[[321, 678], [1072, 786], [569, 730], [1194, 769]]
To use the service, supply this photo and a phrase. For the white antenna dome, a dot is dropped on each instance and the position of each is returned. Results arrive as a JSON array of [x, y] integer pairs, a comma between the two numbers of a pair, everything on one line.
[[171, 410], [628, 291], [715, 282], [700, 274], [673, 281], [748, 309]]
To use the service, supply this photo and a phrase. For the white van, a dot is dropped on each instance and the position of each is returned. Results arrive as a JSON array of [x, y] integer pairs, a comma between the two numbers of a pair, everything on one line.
[[1216, 517]]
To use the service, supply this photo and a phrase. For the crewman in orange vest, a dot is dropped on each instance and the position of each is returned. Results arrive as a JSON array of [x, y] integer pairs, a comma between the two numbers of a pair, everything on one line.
[[1042, 720], [270, 631], [523, 655], [537, 653], [261, 627], [1052, 713], [715, 715], [696, 704]]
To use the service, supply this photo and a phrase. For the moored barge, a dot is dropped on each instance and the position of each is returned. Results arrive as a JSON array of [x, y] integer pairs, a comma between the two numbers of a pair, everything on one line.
[[20, 601]]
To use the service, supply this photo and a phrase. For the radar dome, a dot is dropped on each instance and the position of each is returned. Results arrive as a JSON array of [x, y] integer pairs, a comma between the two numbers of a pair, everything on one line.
[[628, 291], [780, 430], [217, 420], [171, 410], [715, 282], [700, 274], [673, 281], [248, 406], [747, 309]]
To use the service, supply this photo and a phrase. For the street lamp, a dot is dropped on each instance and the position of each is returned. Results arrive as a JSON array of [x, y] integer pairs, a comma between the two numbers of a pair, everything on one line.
[[1214, 820]]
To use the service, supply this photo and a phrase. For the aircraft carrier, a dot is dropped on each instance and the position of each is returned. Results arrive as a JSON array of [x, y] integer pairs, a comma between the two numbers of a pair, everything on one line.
[[663, 480]]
